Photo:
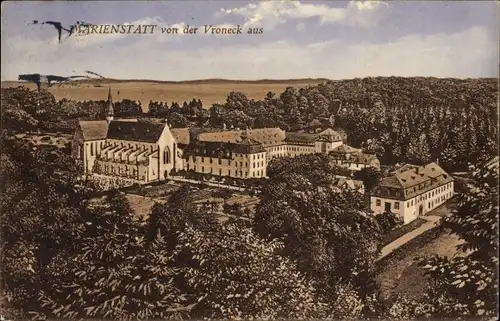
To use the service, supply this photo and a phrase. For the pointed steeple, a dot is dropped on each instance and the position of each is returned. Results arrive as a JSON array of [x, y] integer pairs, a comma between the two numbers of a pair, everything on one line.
[[110, 111]]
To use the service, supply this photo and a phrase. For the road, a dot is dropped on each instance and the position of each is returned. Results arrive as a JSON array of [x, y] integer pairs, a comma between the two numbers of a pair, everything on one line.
[[397, 243]]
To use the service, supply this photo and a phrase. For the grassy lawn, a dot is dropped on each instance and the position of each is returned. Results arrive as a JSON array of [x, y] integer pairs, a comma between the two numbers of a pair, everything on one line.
[[141, 205], [402, 275], [402, 230]]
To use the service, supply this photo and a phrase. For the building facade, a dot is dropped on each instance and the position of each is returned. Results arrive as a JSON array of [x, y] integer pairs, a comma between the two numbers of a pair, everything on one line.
[[277, 143], [412, 191], [245, 158], [353, 158], [130, 150]]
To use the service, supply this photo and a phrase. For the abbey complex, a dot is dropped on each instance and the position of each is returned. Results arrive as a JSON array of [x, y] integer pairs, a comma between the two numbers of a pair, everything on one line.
[[137, 151], [133, 151]]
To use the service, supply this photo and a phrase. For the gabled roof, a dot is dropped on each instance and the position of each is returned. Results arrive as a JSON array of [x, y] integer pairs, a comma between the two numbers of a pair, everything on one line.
[[181, 135], [135, 131], [362, 158], [343, 181], [403, 168], [412, 180], [93, 129], [301, 137], [391, 181], [345, 149], [330, 134], [265, 136], [328, 131], [249, 142]]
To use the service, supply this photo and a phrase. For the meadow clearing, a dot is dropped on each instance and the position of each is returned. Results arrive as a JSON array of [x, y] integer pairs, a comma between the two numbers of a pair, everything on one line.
[[208, 91]]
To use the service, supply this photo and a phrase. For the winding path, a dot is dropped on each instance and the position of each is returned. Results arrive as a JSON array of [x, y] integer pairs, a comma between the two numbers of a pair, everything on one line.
[[432, 221]]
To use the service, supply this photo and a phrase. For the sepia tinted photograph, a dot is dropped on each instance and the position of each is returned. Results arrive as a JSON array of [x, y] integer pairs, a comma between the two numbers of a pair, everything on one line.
[[249, 160]]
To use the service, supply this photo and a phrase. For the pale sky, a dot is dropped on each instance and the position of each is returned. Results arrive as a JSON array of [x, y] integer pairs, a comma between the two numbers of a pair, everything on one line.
[[301, 39]]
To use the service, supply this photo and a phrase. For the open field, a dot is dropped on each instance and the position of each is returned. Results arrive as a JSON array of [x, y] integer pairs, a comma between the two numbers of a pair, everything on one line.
[[142, 200], [210, 91], [141, 205], [404, 276]]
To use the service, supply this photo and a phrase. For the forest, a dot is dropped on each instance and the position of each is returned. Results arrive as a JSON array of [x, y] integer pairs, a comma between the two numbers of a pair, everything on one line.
[[309, 253]]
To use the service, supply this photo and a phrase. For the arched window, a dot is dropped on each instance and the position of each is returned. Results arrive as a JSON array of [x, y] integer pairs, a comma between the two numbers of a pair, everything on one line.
[[166, 155]]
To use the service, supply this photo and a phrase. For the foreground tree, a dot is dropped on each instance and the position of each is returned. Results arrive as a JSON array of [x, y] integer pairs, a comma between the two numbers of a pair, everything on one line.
[[370, 177], [466, 286], [388, 221], [41, 213], [236, 274], [324, 230], [115, 275]]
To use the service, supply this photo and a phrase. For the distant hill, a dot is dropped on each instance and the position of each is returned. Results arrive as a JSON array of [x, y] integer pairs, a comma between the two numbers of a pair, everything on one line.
[[209, 91]]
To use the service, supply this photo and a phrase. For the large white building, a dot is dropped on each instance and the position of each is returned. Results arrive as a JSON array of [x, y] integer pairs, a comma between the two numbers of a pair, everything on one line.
[[128, 150], [246, 153], [412, 191]]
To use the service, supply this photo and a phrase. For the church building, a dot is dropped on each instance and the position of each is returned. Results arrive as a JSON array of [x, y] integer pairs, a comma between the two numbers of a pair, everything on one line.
[[129, 150]]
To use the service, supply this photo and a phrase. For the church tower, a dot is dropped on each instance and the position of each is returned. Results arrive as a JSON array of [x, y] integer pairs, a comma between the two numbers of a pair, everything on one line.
[[110, 111]]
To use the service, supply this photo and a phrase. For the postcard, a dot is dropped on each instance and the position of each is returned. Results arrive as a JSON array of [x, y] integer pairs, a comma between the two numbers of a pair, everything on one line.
[[249, 160]]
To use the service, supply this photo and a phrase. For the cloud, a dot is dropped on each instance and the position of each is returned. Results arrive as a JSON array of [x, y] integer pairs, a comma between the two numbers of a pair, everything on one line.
[[469, 53], [272, 13]]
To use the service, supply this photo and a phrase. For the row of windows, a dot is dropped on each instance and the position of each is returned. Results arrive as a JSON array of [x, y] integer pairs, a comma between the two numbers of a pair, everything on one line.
[[378, 202], [442, 198], [259, 156], [110, 169], [237, 173], [433, 193], [425, 185], [439, 200], [235, 163], [298, 149], [259, 164], [277, 149], [276, 156]]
